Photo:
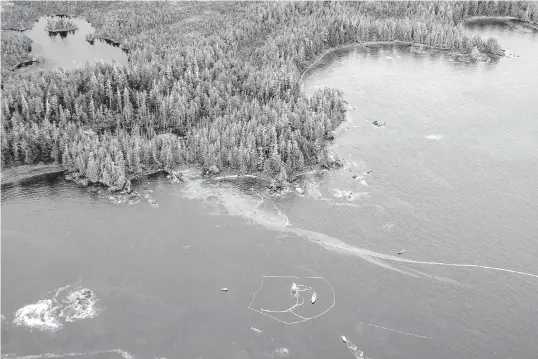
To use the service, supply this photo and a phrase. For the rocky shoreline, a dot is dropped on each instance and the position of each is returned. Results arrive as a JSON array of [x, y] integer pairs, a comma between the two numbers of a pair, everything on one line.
[[26, 63], [126, 193]]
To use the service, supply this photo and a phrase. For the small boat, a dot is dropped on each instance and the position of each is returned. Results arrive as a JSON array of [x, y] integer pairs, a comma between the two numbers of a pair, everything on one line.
[[294, 289], [401, 252], [224, 289], [314, 297], [343, 338]]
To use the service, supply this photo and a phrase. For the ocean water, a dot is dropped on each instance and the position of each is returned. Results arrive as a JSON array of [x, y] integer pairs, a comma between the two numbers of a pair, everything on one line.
[[453, 183]]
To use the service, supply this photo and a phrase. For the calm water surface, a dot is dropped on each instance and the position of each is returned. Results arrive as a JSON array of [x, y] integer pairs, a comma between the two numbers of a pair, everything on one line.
[[70, 50], [454, 182]]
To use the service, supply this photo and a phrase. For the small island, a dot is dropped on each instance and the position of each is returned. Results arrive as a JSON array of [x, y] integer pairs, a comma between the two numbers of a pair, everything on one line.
[[60, 25]]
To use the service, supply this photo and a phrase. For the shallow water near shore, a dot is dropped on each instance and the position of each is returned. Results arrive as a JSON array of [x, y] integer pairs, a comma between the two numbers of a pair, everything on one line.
[[452, 183]]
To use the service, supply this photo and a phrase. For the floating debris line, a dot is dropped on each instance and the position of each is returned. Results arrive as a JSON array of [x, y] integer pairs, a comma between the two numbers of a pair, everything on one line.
[[286, 286], [398, 331], [196, 190], [295, 289], [434, 342], [325, 240], [276, 207], [123, 353]]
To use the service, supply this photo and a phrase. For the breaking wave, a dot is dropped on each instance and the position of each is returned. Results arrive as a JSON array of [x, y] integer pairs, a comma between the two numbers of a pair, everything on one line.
[[40, 316], [67, 305], [79, 304]]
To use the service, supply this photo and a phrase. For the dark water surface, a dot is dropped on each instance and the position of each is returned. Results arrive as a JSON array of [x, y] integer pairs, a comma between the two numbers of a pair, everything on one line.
[[454, 181], [70, 50]]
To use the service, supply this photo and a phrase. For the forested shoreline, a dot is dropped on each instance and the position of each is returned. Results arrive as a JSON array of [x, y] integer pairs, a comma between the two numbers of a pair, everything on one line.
[[225, 95]]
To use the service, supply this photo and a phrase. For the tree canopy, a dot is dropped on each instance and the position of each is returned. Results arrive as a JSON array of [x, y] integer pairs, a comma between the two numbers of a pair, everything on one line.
[[224, 92]]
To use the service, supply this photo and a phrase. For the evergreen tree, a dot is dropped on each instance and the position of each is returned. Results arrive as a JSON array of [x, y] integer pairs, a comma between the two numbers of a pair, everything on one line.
[[92, 172]]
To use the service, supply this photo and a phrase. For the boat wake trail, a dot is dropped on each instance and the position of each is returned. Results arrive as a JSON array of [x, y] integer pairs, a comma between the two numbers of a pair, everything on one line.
[[123, 353], [432, 341], [397, 331], [374, 257], [238, 204]]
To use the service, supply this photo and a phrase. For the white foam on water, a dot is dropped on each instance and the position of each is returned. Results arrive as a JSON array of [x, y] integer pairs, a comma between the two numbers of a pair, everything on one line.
[[332, 243], [434, 137], [313, 190], [282, 352], [61, 289], [40, 316], [49, 314], [374, 254], [337, 244], [387, 266], [347, 195], [229, 199], [238, 203], [357, 352], [361, 195], [338, 193], [78, 305]]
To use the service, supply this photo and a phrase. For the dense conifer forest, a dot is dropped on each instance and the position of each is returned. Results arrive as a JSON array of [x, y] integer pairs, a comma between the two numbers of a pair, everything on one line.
[[15, 49], [60, 24], [210, 84]]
